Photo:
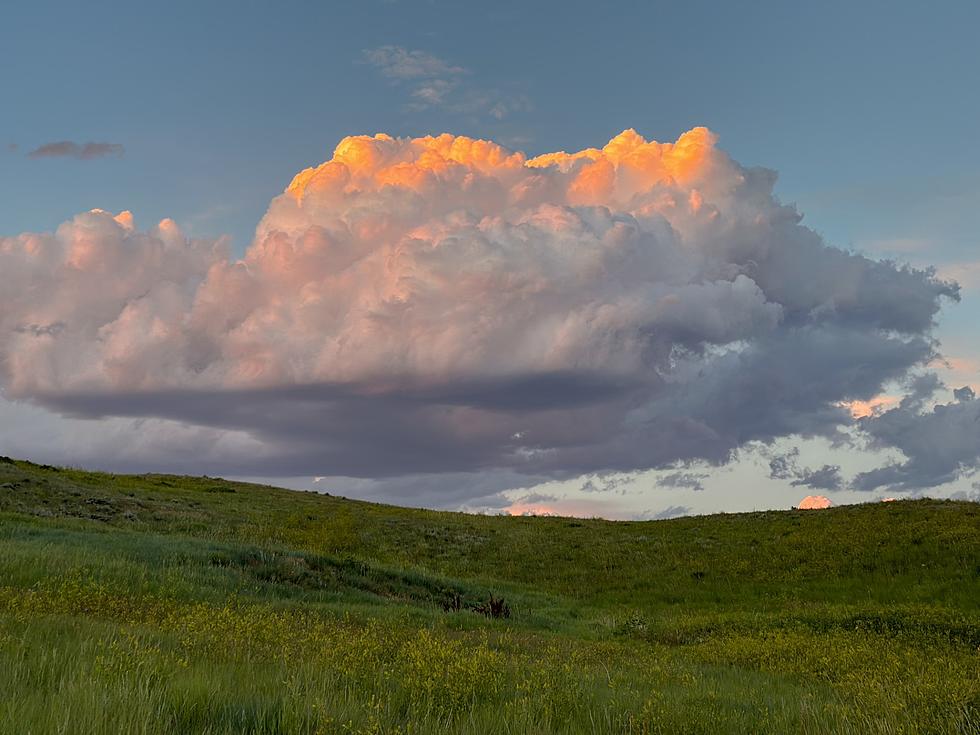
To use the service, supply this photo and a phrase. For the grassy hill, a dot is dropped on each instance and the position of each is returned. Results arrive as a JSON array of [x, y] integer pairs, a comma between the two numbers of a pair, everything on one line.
[[163, 604]]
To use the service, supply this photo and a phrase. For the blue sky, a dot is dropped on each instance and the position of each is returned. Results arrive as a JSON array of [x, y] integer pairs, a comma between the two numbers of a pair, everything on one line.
[[867, 110]]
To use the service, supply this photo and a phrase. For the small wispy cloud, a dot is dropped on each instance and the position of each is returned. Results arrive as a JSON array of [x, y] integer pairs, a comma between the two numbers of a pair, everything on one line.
[[433, 92], [683, 480], [81, 151], [397, 62], [786, 467], [536, 497], [671, 511], [827, 477], [607, 483], [435, 82]]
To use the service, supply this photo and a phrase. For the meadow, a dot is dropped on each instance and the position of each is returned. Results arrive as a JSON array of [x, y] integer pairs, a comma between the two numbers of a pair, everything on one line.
[[164, 604]]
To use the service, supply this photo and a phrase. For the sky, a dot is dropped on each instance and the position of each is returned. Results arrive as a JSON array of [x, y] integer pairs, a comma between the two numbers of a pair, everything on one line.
[[730, 321]]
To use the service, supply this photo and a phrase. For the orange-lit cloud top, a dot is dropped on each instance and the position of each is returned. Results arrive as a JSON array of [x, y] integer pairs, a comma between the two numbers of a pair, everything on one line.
[[398, 257], [628, 165], [619, 307], [871, 407]]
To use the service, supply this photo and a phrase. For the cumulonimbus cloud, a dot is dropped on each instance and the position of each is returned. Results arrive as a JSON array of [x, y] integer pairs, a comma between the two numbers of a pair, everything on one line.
[[443, 304]]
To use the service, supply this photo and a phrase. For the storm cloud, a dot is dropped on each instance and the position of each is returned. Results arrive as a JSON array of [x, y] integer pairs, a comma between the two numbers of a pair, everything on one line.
[[940, 444], [445, 305]]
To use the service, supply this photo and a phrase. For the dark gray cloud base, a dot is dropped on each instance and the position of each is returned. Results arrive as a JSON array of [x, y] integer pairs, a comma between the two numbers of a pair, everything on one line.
[[940, 444]]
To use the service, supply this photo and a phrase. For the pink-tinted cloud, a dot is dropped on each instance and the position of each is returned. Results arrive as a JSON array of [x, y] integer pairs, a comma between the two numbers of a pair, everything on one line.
[[862, 409]]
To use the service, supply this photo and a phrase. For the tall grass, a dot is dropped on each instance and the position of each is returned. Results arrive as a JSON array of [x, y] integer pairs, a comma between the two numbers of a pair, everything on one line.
[[191, 605]]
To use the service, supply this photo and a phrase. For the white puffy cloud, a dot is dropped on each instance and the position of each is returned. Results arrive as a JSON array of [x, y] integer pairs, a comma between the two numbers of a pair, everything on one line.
[[98, 305], [443, 304]]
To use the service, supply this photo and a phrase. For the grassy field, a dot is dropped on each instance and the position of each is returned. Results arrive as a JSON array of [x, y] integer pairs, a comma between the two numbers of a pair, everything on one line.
[[161, 604]]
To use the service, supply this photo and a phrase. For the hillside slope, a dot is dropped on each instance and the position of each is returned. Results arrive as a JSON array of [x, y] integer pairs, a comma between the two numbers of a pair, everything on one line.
[[160, 604]]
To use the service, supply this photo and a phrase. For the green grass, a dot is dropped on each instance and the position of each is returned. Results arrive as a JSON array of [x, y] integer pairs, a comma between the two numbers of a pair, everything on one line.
[[161, 604]]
